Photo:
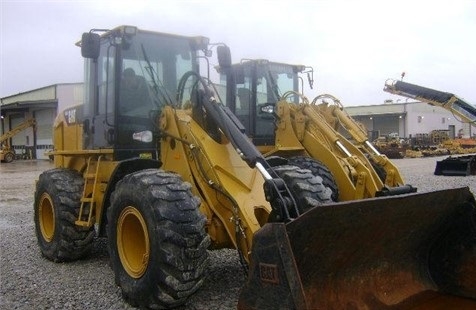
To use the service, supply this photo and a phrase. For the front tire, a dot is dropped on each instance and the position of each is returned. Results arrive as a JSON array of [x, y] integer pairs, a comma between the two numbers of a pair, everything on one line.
[[156, 238], [307, 189], [57, 203], [318, 169], [8, 158]]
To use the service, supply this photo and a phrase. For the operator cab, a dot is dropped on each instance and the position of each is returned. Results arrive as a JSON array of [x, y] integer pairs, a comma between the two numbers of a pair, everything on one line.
[[253, 87], [130, 74]]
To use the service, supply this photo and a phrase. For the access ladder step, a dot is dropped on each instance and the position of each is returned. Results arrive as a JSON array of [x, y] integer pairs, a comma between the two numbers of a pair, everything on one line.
[[82, 223], [90, 176]]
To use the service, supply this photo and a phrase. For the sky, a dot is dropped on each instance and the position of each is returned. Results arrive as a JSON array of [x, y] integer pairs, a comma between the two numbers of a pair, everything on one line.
[[353, 46]]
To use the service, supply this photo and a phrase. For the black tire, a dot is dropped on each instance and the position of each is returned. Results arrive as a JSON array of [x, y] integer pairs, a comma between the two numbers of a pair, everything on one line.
[[381, 173], [156, 239], [318, 169], [308, 190], [8, 158], [57, 203]]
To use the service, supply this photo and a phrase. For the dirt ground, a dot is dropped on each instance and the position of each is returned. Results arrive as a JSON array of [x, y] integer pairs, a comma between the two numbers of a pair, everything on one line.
[[28, 281], [17, 184]]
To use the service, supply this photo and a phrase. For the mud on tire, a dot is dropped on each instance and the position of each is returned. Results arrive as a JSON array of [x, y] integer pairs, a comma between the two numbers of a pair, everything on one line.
[[56, 208], [308, 190], [156, 238]]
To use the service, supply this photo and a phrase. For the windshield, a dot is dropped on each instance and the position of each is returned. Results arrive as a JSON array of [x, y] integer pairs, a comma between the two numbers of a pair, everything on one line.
[[280, 79], [151, 69]]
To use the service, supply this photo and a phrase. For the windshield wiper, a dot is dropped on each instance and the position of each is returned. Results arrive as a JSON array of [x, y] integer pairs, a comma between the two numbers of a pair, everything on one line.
[[158, 91], [274, 85]]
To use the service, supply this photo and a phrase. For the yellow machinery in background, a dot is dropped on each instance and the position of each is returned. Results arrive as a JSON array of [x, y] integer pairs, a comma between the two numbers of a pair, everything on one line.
[[461, 110], [7, 153]]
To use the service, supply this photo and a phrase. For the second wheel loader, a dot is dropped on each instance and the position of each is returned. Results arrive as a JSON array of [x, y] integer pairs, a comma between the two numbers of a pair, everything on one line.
[[166, 178], [281, 121]]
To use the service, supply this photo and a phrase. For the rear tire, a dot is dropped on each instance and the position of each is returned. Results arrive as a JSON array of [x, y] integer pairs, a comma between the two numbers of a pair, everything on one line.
[[156, 238], [318, 169], [57, 202], [307, 189]]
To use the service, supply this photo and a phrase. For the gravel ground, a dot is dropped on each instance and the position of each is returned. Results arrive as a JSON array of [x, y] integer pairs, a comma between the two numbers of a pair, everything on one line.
[[28, 281]]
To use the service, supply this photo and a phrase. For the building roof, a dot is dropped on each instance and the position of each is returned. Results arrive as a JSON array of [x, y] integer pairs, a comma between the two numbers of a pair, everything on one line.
[[44, 97], [42, 93]]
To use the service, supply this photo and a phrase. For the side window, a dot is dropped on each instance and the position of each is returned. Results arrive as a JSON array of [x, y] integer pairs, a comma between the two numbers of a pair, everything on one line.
[[243, 97], [261, 91], [287, 82], [264, 122], [106, 80], [183, 65]]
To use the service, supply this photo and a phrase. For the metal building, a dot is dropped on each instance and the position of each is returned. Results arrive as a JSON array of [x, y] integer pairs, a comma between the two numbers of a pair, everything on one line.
[[43, 105], [408, 119]]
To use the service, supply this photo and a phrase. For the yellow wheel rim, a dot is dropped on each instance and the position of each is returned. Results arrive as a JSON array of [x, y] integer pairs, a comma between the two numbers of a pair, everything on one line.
[[133, 242], [46, 217]]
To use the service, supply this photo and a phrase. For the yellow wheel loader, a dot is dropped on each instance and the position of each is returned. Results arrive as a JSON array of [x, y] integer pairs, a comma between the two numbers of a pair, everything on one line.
[[171, 175], [317, 135], [164, 177]]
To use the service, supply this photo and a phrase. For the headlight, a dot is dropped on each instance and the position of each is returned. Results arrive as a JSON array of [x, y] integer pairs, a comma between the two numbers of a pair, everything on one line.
[[143, 136]]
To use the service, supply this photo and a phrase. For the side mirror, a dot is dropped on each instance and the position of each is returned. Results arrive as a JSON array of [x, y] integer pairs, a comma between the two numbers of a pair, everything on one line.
[[90, 43], [224, 56]]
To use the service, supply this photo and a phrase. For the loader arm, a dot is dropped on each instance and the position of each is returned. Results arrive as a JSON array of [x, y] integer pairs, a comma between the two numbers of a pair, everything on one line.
[[16, 130], [352, 170], [277, 193], [336, 115], [226, 168]]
